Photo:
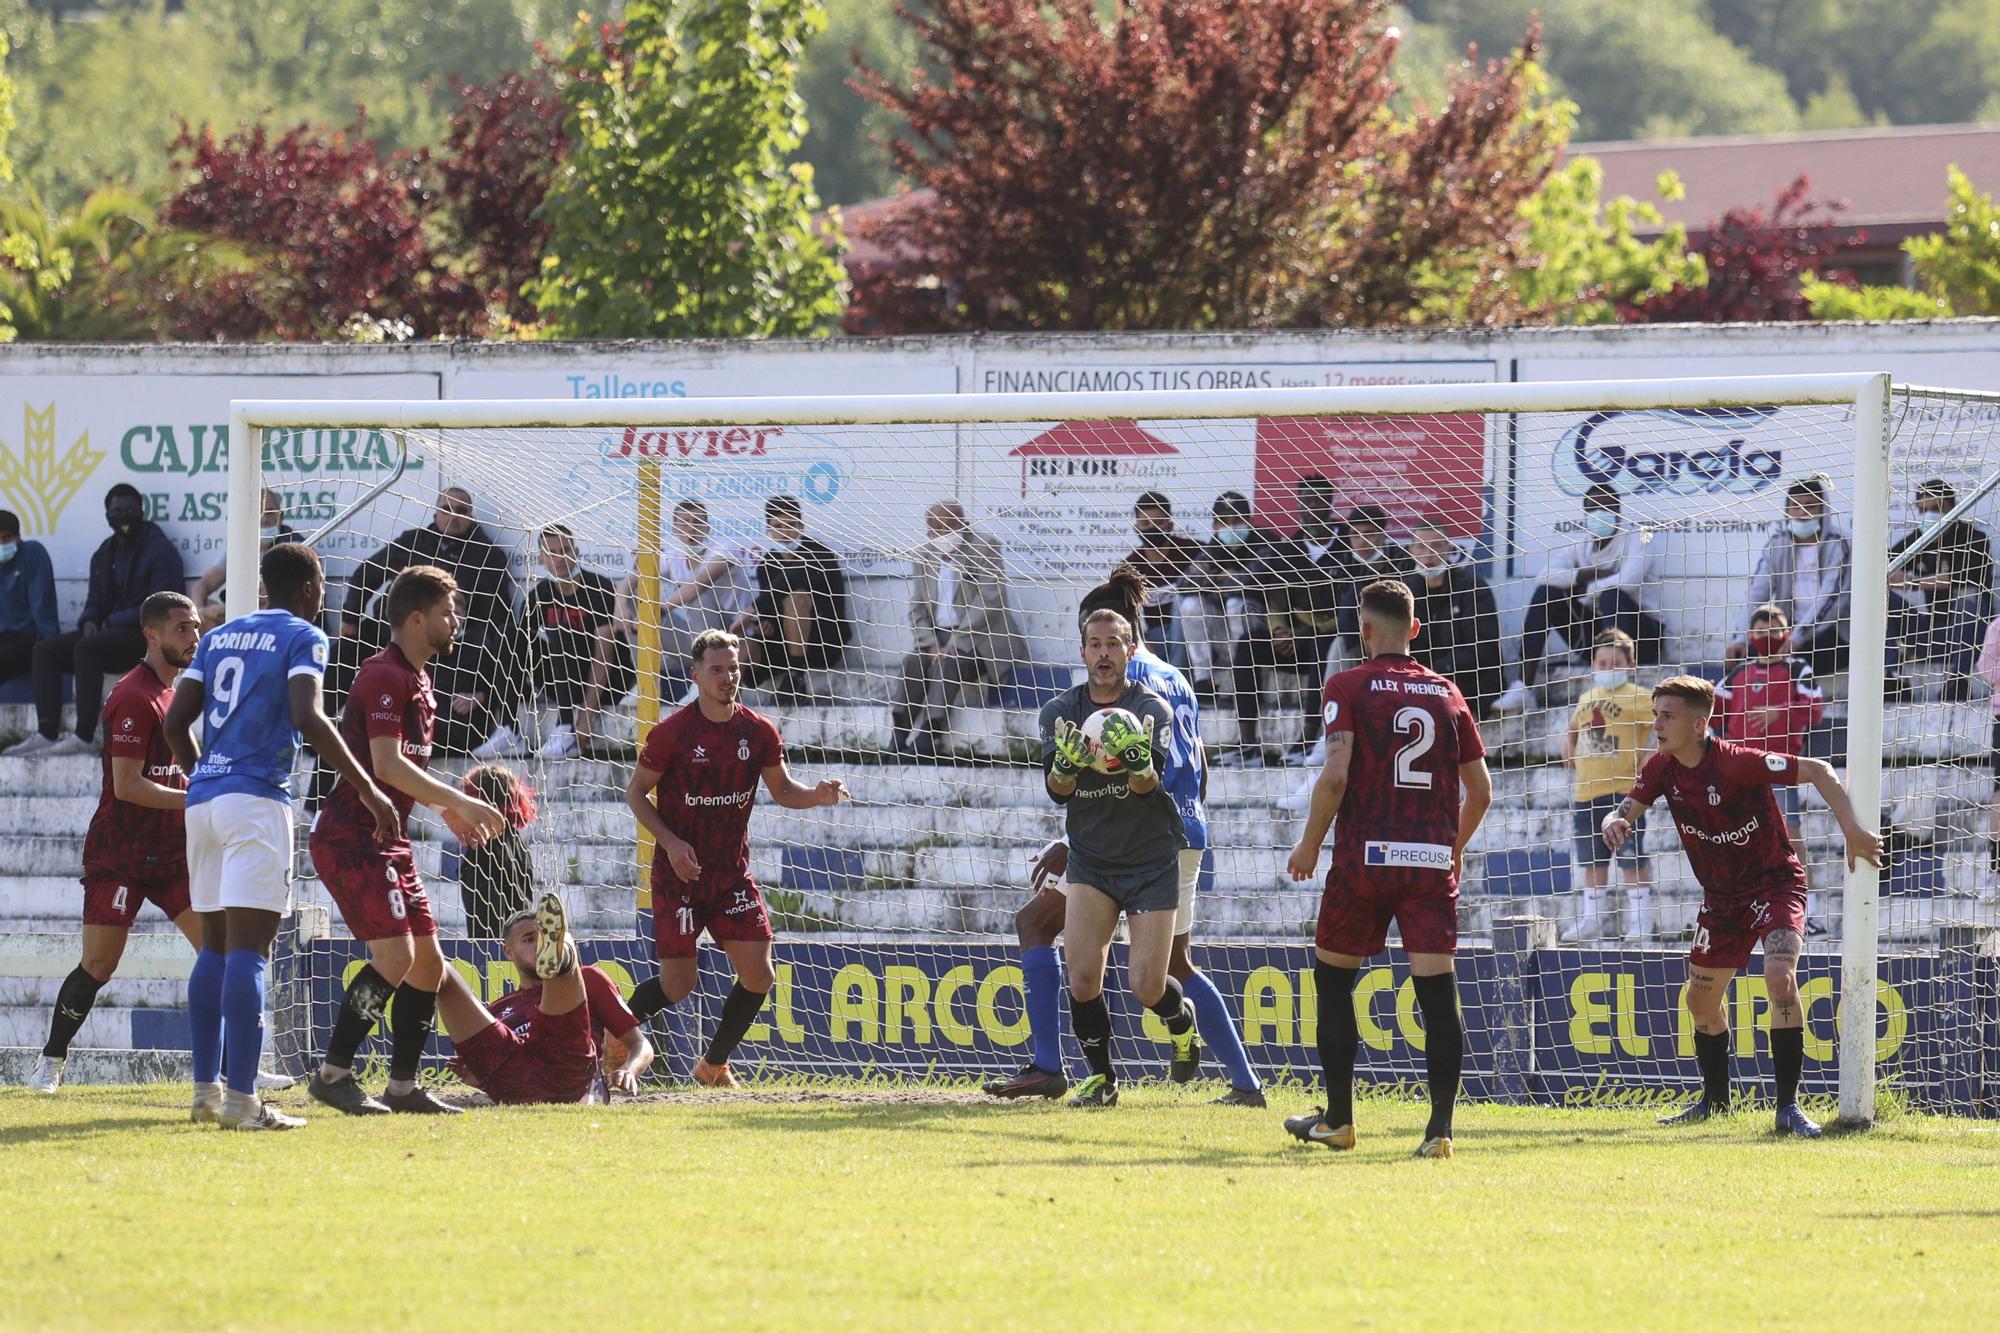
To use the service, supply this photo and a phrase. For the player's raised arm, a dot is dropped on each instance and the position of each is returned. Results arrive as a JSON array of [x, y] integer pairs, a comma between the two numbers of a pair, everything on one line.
[[309, 716], [1327, 794], [1862, 843], [639, 799], [795, 795]]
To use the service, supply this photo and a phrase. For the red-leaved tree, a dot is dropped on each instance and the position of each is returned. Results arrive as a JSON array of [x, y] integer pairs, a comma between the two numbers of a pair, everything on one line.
[[337, 230], [494, 169], [1755, 264], [1187, 164]]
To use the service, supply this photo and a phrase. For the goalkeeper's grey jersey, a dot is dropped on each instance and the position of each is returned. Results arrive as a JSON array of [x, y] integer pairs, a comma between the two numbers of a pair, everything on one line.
[[1113, 835]]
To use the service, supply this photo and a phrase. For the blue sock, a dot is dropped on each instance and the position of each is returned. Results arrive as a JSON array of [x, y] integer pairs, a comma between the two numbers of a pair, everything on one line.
[[1041, 976], [205, 1015], [243, 1014], [1218, 1030]]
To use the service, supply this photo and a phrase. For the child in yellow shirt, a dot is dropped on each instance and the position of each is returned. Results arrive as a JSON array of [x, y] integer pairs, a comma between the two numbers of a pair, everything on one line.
[[1610, 734]]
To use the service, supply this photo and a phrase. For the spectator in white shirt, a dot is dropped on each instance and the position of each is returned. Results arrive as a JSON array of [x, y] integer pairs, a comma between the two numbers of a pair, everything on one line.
[[1600, 583]]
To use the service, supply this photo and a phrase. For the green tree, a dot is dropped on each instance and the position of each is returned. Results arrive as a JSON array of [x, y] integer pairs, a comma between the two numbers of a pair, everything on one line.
[[1957, 270], [1581, 260], [842, 141], [675, 213], [92, 275]]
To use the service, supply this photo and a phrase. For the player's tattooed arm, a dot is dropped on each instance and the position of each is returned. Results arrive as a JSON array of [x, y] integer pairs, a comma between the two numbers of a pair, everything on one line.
[[1863, 844], [1618, 824], [1327, 794]]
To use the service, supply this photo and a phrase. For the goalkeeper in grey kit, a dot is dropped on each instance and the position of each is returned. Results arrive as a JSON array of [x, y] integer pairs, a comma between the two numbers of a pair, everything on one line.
[[1125, 839]]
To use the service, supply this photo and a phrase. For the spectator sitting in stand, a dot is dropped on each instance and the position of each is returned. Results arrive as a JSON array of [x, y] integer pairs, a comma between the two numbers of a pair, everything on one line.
[[1938, 601], [1218, 591], [1601, 582], [1989, 671], [27, 598], [134, 562], [1805, 571], [1162, 559], [964, 629], [272, 531], [496, 878], [1770, 700], [799, 622], [566, 610], [1297, 597], [1363, 555], [465, 679], [1461, 635]]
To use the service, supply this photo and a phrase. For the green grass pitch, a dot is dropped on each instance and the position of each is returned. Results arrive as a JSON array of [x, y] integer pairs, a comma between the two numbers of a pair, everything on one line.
[[839, 1208]]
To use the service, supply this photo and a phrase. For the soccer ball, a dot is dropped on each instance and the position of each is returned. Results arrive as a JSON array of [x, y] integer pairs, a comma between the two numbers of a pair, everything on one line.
[[1093, 731]]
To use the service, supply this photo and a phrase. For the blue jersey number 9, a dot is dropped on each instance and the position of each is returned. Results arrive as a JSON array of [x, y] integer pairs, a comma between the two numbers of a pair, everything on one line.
[[222, 690]]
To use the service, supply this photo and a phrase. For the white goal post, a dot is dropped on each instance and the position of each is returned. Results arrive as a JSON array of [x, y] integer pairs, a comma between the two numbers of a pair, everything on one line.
[[1863, 401]]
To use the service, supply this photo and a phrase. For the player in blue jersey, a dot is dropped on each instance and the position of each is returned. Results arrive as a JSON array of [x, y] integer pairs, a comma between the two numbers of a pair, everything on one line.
[[1040, 923], [255, 686]]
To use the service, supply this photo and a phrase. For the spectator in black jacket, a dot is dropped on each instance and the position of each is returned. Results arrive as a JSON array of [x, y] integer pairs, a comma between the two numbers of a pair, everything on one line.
[[1162, 559], [799, 621], [1939, 601], [1297, 596], [1363, 555], [465, 678], [27, 598], [135, 561], [1460, 619], [566, 610]]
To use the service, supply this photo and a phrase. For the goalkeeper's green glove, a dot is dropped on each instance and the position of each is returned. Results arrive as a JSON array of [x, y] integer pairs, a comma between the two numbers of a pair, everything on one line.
[[1072, 749], [1132, 747]]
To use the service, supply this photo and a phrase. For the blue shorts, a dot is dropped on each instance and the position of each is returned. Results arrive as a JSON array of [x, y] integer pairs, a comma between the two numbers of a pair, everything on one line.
[[1586, 847]]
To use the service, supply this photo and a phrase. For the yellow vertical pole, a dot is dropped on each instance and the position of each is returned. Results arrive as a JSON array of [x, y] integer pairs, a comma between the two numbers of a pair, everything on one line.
[[646, 604]]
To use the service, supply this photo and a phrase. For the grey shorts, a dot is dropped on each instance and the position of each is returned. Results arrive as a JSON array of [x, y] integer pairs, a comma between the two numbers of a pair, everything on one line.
[[1157, 889]]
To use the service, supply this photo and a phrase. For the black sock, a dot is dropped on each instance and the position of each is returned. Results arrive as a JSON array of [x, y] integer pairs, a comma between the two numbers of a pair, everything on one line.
[[360, 1010], [1788, 1057], [1339, 1035], [412, 1014], [1172, 1008], [647, 999], [1444, 1046], [739, 1011], [73, 1001], [1711, 1052], [1090, 1020]]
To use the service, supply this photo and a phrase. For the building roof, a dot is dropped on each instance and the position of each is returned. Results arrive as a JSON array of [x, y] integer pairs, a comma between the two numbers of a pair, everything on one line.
[[1890, 181]]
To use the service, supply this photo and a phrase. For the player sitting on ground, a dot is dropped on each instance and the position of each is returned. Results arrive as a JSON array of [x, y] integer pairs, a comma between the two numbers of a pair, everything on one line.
[[1406, 773], [388, 721], [261, 673], [136, 849], [1041, 921], [692, 791], [1125, 840], [1752, 886], [541, 1041]]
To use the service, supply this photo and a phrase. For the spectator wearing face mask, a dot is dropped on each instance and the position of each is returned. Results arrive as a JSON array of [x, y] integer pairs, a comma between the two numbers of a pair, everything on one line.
[[27, 598], [1601, 582], [1456, 607], [1219, 590], [1363, 554], [1770, 699], [134, 562], [1610, 734], [1805, 571], [1938, 601], [963, 628], [272, 530], [1162, 559]]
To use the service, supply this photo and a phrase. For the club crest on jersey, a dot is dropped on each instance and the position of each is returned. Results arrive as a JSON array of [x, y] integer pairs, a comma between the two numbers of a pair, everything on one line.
[[1714, 796], [743, 749]]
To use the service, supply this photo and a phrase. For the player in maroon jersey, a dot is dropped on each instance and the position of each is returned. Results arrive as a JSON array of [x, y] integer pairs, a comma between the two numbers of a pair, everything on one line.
[[1406, 774], [1752, 886], [692, 791], [387, 723], [541, 1041], [136, 849]]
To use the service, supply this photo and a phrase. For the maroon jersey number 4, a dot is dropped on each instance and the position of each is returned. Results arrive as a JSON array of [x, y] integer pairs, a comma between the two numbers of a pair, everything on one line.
[[1412, 730]]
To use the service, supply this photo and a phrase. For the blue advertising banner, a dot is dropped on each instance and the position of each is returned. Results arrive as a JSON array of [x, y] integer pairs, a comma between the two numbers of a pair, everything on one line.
[[1566, 1026]]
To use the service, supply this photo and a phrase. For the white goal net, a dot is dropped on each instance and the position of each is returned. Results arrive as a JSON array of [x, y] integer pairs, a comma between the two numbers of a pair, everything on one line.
[[910, 572]]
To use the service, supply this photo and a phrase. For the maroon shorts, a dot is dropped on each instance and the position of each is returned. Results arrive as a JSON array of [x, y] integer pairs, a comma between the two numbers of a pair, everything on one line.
[[554, 1061], [1725, 933], [111, 901], [1357, 906], [736, 913], [374, 884]]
